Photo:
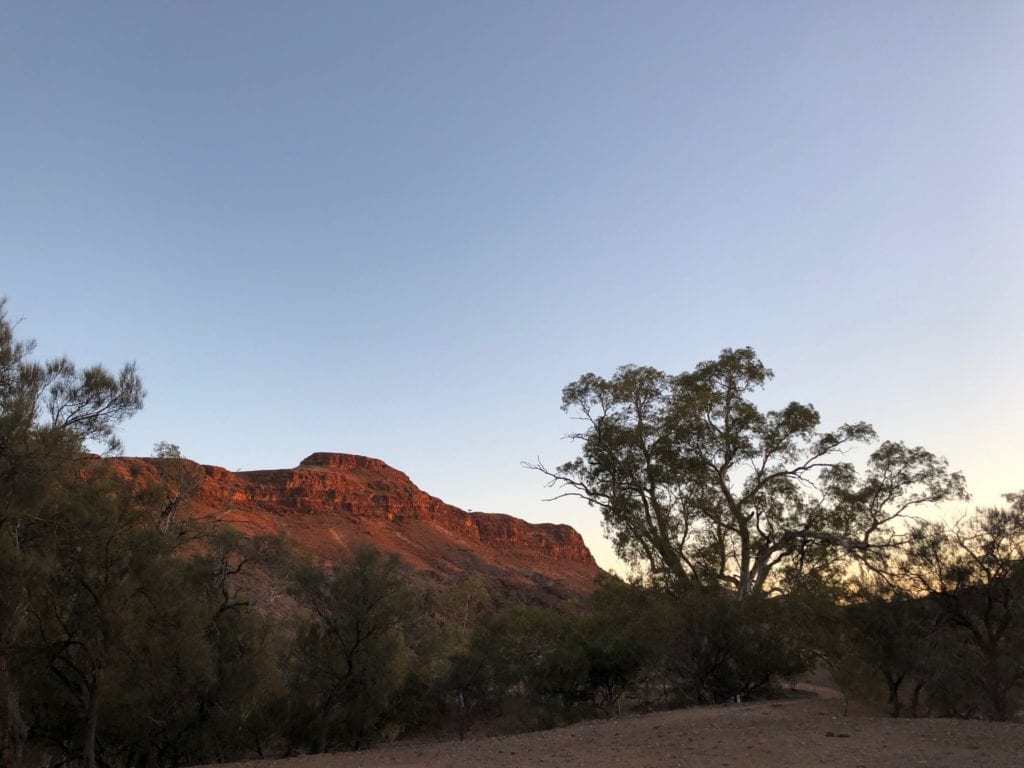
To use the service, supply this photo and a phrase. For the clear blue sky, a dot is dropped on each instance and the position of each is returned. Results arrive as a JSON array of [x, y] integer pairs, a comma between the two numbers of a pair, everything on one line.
[[398, 229]]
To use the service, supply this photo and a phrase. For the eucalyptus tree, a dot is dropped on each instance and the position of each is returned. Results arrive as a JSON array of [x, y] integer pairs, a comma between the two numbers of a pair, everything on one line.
[[697, 484]]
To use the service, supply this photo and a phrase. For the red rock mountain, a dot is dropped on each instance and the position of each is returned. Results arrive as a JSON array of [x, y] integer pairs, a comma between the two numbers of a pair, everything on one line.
[[334, 503]]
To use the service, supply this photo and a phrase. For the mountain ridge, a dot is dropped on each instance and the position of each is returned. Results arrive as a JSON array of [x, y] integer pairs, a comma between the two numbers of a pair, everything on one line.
[[331, 504]]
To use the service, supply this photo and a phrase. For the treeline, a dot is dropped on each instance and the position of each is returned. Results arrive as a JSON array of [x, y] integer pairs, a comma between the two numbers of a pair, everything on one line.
[[132, 635], [132, 651], [137, 647], [942, 625], [702, 488]]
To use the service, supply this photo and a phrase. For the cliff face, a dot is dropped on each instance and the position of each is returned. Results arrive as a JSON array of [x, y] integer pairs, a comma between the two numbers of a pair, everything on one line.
[[333, 503]]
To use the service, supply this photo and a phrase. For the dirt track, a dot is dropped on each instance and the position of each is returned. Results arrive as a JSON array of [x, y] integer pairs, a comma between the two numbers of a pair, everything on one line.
[[788, 734]]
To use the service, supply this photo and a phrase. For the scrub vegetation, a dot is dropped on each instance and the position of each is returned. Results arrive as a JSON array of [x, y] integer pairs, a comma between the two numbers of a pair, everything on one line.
[[132, 635]]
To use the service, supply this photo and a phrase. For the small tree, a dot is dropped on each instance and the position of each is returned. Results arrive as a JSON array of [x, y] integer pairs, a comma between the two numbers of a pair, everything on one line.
[[181, 477], [352, 655], [889, 632], [973, 571], [50, 413], [85, 611], [459, 610]]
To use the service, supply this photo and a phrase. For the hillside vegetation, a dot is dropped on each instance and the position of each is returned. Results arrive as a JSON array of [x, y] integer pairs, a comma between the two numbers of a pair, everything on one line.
[[135, 634]]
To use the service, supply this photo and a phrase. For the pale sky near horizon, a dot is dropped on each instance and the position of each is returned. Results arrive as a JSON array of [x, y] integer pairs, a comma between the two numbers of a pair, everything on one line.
[[399, 229]]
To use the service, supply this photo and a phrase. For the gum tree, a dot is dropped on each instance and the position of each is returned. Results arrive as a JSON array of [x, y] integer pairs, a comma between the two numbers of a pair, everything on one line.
[[697, 484]]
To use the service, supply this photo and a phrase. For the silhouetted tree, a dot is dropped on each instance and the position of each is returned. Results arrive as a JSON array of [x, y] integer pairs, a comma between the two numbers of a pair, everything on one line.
[[890, 632], [50, 413], [974, 574], [700, 486], [352, 655]]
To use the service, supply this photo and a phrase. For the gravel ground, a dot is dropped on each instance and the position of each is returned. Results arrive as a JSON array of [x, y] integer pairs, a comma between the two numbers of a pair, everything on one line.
[[796, 733]]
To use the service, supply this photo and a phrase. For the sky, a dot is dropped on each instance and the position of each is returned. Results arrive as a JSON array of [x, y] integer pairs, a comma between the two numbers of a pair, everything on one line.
[[399, 229]]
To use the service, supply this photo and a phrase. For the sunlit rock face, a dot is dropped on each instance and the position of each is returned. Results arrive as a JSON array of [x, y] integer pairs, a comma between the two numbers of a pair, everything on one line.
[[333, 503]]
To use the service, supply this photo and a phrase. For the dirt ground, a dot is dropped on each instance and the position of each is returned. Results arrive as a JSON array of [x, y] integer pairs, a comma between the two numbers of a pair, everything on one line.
[[796, 733]]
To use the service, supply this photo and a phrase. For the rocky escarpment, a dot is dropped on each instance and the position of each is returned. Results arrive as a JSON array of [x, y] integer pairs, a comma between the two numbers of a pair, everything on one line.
[[333, 503]]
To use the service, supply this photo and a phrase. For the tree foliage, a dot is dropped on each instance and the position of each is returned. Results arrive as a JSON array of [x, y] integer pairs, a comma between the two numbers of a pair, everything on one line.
[[699, 485], [973, 572], [50, 413], [133, 633], [354, 652]]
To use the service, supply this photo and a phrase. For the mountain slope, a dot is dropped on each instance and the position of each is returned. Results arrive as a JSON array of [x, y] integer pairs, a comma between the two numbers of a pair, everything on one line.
[[333, 503]]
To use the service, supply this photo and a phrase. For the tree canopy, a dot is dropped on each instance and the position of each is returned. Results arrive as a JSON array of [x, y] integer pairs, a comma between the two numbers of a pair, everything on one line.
[[131, 635], [699, 485], [50, 413]]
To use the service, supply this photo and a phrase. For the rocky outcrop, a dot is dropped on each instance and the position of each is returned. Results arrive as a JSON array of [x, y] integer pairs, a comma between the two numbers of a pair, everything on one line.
[[333, 503]]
